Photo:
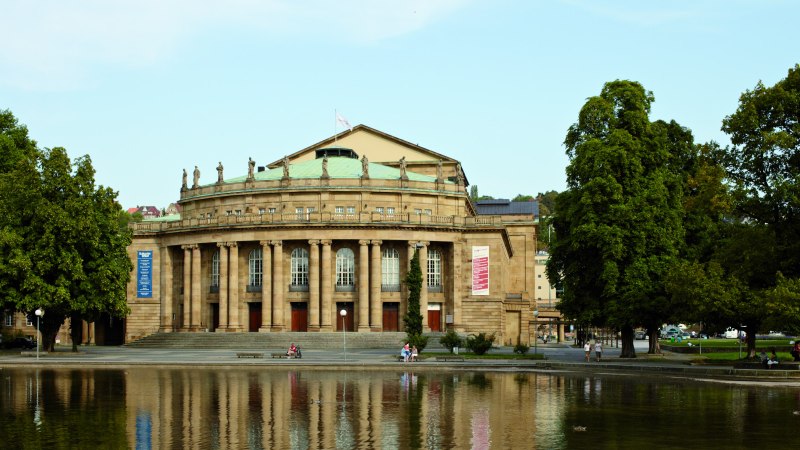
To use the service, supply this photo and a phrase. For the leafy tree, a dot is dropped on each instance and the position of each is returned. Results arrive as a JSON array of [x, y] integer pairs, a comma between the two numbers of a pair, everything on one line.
[[547, 202], [619, 224], [473, 193], [61, 245], [523, 198], [413, 317]]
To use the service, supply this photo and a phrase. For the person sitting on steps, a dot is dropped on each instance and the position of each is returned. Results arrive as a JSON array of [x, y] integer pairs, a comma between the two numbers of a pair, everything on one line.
[[294, 351]]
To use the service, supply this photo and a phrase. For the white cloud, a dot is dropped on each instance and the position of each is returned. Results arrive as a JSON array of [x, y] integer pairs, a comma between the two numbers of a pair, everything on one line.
[[52, 44]]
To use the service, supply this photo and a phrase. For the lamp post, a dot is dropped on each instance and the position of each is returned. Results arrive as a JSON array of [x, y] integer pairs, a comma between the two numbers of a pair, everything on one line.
[[39, 313], [343, 313], [535, 331]]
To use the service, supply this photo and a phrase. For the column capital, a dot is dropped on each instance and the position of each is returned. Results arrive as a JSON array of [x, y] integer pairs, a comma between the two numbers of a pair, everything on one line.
[[414, 244], [277, 243], [264, 243], [326, 242], [233, 244], [222, 244], [190, 246], [377, 242], [363, 242], [313, 241]]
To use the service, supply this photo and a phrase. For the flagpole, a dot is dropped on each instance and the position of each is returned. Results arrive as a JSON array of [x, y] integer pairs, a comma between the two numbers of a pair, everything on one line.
[[335, 119]]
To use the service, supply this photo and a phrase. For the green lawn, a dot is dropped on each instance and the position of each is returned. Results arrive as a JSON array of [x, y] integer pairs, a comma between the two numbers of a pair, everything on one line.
[[488, 355], [717, 343]]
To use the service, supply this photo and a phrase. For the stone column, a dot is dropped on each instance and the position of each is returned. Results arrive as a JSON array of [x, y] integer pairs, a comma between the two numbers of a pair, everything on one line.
[[223, 286], [233, 287], [196, 291], [167, 322], [375, 304], [187, 286], [266, 287], [278, 286], [313, 285], [327, 287], [423, 293], [363, 286], [457, 286]]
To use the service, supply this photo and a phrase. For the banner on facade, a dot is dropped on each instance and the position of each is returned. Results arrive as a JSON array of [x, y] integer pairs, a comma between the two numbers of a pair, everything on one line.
[[144, 274], [480, 270]]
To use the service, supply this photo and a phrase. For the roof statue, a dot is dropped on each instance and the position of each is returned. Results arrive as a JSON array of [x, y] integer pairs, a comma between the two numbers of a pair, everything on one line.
[[196, 180], [219, 172], [183, 181], [403, 175], [439, 177], [251, 165], [364, 167], [325, 167], [459, 174], [286, 166]]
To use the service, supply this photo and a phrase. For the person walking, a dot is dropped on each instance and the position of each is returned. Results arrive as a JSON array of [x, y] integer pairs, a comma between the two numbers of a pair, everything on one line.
[[587, 348], [598, 350]]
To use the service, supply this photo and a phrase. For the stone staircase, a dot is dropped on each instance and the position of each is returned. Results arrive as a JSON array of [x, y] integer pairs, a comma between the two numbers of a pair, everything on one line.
[[281, 340]]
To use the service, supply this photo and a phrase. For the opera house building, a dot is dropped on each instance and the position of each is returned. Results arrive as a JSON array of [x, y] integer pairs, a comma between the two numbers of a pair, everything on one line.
[[288, 245]]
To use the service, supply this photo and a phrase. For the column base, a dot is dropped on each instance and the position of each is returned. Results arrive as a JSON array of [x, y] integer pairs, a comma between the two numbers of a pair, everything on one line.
[[376, 329], [313, 329], [276, 328], [364, 329], [264, 329], [167, 329], [325, 328], [221, 330]]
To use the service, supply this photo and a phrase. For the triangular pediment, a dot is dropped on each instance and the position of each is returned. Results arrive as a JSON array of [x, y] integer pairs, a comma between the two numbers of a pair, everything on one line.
[[379, 147]]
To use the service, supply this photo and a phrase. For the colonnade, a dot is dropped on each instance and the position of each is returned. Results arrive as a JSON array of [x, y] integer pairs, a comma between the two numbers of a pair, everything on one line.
[[321, 303]]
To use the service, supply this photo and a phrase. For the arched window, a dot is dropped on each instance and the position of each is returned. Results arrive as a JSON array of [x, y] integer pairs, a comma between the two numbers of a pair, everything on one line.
[[434, 269], [345, 269], [300, 267], [215, 272], [390, 270], [255, 263]]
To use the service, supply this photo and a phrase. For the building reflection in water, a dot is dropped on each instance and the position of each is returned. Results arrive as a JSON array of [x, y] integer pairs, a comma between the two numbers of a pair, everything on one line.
[[265, 408]]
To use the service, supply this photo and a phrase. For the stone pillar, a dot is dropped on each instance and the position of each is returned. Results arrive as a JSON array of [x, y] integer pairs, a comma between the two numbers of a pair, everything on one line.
[[375, 304], [278, 286], [363, 286], [326, 300], [423, 293], [223, 286], [266, 287], [458, 284], [196, 291], [233, 287], [187, 286], [167, 323], [313, 285]]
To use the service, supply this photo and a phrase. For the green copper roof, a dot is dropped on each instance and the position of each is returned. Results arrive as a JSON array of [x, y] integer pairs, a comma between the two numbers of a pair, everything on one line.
[[338, 167]]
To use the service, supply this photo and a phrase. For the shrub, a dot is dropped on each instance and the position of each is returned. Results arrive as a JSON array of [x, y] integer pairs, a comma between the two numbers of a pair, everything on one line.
[[417, 339], [451, 340], [521, 348], [480, 343]]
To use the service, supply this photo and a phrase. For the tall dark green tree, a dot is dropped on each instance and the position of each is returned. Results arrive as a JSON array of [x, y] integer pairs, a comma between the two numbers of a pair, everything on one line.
[[413, 318], [619, 224], [61, 245]]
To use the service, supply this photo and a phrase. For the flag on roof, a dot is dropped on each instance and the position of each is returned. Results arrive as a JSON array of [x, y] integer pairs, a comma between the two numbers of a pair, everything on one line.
[[343, 122]]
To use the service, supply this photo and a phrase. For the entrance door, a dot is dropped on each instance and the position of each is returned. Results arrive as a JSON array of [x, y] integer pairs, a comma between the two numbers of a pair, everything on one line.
[[214, 317], [349, 319], [254, 310], [299, 316], [391, 317], [435, 316]]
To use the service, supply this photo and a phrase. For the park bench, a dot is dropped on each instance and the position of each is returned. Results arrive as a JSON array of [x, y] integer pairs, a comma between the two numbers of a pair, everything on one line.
[[450, 358], [755, 365], [249, 355], [279, 355]]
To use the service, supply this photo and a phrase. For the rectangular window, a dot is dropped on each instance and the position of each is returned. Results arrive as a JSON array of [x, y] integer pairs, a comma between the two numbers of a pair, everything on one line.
[[208, 215], [271, 210], [338, 210], [428, 212], [390, 211], [261, 211], [351, 210], [228, 212], [417, 211], [9, 322], [299, 212], [28, 322], [379, 210], [238, 212]]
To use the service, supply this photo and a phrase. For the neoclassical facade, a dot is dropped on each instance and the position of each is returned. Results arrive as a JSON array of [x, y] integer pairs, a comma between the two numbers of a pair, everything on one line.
[[332, 227]]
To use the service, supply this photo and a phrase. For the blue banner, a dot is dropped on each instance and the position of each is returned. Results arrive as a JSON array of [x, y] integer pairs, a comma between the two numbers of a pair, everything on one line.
[[144, 274]]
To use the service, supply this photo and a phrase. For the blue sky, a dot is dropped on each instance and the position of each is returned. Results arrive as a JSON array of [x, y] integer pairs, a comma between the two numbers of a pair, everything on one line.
[[147, 88]]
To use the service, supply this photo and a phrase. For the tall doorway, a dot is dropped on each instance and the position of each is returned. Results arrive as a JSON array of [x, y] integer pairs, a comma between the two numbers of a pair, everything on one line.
[[299, 316], [391, 316], [254, 314], [214, 317], [435, 317], [349, 319]]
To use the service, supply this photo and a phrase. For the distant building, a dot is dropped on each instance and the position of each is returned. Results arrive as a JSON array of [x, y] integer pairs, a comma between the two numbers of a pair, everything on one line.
[[173, 209], [148, 212]]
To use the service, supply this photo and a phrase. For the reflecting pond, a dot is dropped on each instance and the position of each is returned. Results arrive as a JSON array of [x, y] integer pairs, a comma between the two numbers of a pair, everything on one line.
[[252, 408]]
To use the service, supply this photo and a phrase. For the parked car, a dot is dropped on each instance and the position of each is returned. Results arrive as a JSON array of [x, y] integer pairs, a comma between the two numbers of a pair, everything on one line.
[[640, 335], [20, 342]]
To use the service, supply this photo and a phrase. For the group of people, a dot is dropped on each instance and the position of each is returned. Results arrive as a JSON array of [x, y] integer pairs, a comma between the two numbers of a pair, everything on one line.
[[598, 350], [409, 353], [769, 361]]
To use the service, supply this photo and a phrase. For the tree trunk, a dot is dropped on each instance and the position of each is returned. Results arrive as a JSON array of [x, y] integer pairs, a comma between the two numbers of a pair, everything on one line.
[[48, 326], [750, 340], [75, 331], [654, 347], [628, 351]]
